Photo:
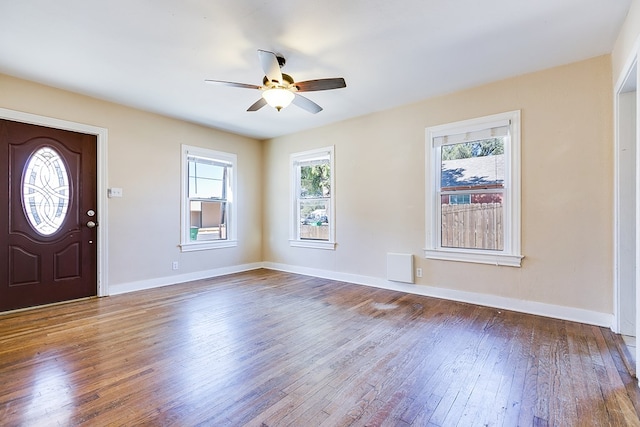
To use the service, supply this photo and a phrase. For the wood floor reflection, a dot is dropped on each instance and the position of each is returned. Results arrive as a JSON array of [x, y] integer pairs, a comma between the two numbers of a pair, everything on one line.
[[267, 348]]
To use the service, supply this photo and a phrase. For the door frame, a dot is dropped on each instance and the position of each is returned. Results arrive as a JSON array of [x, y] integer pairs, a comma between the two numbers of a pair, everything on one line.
[[101, 151], [629, 78], [625, 202]]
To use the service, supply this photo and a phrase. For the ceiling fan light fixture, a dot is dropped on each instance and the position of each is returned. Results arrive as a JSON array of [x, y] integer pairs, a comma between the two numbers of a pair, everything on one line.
[[279, 89], [278, 98]]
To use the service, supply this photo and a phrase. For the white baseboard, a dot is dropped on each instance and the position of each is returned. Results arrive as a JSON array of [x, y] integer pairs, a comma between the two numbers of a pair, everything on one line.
[[522, 306], [122, 288]]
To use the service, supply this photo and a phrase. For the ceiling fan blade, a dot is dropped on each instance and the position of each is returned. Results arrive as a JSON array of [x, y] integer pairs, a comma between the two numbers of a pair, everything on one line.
[[306, 104], [321, 84], [270, 65], [233, 84], [257, 105]]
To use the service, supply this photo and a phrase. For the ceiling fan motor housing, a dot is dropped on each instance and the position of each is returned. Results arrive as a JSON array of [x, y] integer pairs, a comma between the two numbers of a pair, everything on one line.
[[287, 80]]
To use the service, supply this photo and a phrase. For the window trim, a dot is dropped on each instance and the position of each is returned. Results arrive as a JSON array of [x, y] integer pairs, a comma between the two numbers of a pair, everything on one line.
[[294, 229], [511, 255], [186, 244]]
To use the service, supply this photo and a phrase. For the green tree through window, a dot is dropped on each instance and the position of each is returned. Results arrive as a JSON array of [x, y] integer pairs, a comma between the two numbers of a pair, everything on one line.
[[485, 147], [315, 180]]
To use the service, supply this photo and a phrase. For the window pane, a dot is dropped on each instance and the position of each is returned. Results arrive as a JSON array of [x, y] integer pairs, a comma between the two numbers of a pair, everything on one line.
[[206, 179], [204, 170], [459, 199], [476, 164], [205, 188], [208, 220], [314, 220], [476, 225], [315, 179]]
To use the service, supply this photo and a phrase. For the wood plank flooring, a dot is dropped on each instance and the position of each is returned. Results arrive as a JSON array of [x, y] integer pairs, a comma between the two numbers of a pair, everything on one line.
[[266, 348]]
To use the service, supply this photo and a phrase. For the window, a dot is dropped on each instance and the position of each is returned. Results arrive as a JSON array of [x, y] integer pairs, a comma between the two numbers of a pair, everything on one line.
[[208, 211], [459, 199], [473, 190], [312, 195]]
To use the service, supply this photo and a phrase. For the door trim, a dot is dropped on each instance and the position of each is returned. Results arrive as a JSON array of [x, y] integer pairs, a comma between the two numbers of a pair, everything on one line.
[[626, 84], [629, 73], [102, 216]]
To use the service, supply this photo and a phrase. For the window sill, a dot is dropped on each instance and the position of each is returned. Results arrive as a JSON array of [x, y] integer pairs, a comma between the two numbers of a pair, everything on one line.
[[491, 258], [203, 246], [315, 244]]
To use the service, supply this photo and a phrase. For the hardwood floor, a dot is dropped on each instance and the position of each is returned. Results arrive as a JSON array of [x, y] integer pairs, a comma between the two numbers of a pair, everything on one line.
[[267, 348]]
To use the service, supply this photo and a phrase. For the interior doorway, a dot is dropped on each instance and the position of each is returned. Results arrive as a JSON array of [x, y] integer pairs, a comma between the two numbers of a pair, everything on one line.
[[627, 211]]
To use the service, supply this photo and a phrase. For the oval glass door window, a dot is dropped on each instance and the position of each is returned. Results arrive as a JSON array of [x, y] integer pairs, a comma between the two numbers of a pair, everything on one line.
[[45, 191]]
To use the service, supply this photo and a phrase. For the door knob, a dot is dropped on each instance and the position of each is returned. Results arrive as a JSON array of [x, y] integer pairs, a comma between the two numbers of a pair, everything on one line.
[[91, 224]]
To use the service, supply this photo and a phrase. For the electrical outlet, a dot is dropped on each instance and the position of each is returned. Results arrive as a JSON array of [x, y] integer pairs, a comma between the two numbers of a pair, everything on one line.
[[418, 272], [174, 265]]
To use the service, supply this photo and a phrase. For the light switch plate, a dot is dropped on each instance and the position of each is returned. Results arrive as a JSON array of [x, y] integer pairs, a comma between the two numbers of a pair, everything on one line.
[[114, 192]]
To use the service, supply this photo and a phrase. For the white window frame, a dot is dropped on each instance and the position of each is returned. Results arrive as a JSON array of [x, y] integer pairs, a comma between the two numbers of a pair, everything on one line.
[[186, 244], [294, 220], [511, 254]]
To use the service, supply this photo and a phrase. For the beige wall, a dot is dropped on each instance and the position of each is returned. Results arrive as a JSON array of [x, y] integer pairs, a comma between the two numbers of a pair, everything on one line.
[[567, 175], [144, 159], [567, 179]]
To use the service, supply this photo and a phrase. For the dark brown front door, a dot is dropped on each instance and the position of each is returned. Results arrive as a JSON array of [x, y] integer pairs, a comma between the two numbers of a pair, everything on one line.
[[48, 247]]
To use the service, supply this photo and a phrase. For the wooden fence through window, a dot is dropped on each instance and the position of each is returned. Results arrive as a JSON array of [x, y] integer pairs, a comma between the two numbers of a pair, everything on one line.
[[475, 226], [314, 232]]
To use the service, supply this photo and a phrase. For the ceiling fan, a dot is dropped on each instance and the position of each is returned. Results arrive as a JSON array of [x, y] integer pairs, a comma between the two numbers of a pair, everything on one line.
[[279, 89]]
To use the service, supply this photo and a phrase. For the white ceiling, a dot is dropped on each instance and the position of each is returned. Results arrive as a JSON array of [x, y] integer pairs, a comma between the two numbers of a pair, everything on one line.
[[156, 54]]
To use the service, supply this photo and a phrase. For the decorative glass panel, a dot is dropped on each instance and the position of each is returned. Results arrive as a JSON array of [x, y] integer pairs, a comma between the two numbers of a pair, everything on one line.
[[45, 191]]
